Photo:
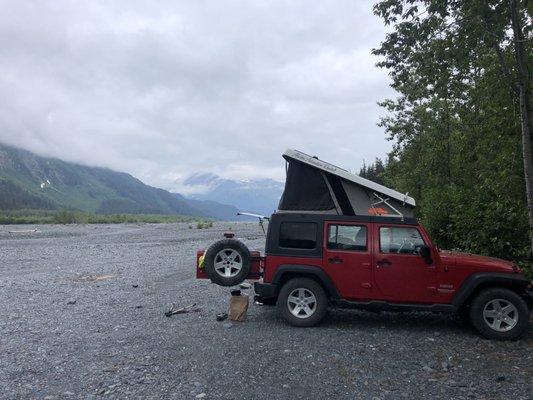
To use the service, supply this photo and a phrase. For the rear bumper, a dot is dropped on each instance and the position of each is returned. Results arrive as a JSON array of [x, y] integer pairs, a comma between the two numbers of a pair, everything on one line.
[[265, 291]]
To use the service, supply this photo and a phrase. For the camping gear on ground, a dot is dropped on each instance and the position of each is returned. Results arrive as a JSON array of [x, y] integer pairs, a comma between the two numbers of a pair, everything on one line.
[[180, 310], [238, 307], [221, 316]]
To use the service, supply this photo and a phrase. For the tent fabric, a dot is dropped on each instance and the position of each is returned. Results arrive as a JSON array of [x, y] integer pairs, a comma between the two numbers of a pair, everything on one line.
[[312, 189], [305, 189]]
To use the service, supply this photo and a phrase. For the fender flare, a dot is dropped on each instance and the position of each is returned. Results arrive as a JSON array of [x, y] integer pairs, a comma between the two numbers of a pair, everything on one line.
[[310, 270], [474, 281]]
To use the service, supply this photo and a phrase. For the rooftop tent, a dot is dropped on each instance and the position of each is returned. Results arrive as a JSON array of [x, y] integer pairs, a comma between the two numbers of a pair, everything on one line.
[[314, 185]]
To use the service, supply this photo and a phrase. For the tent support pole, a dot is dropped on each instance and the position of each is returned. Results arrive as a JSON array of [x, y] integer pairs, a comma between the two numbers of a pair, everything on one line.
[[385, 201], [337, 207]]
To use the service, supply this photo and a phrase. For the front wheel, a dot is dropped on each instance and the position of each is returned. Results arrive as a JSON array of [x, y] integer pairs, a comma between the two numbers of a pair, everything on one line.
[[302, 302], [499, 314]]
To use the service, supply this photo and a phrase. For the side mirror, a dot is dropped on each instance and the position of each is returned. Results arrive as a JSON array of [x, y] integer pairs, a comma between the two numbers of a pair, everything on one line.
[[425, 253]]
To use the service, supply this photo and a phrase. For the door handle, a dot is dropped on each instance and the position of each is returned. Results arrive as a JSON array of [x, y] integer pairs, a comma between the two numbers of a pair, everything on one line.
[[335, 260], [384, 263]]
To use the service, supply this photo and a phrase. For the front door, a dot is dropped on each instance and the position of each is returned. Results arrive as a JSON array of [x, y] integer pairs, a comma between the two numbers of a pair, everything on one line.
[[400, 273], [348, 258]]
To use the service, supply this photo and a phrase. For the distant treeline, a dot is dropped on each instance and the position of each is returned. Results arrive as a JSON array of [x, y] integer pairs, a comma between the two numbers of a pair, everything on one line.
[[78, 217]]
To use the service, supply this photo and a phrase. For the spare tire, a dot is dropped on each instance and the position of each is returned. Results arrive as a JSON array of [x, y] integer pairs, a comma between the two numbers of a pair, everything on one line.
[[227, 262]]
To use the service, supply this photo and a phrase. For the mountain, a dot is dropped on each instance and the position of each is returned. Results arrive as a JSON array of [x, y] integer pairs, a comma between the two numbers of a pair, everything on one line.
[[257, 196], [214, 209], [34, 182]]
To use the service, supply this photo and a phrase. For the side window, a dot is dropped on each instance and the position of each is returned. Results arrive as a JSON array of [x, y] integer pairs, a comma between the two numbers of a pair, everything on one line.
[[298, 235], [398, 240], [347, 237]]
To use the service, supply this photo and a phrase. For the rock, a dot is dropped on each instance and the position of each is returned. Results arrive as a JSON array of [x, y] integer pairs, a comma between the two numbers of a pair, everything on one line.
[[135, 286], [427, 368], [71, 302], [201, 396], [500, 378]]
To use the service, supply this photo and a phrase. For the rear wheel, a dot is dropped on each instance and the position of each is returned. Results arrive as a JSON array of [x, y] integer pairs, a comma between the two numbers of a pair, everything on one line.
[[499, 314], [302, 302]]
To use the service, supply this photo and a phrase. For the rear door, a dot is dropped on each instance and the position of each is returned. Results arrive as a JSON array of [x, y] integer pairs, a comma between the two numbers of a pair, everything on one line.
[[347, 258], [400, 273]]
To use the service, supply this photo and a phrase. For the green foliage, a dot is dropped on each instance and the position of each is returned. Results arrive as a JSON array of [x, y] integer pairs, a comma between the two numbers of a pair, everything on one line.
[[11, 196], [70, 217], [456, 123], [374, 172], [204, 225], [78, 217]]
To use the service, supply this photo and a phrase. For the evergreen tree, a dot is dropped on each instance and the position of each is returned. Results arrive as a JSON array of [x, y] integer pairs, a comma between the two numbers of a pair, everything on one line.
[[462, 121]]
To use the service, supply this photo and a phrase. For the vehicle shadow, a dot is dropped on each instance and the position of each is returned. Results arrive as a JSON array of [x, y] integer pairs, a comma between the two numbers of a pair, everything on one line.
[[408, 322], [396, 321]]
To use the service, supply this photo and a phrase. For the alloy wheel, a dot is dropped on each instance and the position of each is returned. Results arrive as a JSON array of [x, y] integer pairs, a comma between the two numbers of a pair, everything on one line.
[[228, 263], [302, 303], [500, 315]]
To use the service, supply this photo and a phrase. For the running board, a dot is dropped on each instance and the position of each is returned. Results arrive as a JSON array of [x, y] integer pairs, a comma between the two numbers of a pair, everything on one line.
[[378, 305]]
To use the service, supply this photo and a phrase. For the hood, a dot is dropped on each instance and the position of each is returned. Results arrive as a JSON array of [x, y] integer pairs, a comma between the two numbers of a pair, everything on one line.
[[476, 261]]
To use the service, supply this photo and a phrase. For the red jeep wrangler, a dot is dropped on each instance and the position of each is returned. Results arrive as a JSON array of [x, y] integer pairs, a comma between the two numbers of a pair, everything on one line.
[[338, 239], [315, 261]]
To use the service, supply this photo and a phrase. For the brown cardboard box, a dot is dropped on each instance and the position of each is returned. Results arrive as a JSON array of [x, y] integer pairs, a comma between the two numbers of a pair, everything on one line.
[[238, 306]]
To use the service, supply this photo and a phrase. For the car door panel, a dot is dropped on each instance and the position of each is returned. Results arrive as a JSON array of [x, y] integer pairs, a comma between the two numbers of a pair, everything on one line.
[[348, 262], [399, 275]]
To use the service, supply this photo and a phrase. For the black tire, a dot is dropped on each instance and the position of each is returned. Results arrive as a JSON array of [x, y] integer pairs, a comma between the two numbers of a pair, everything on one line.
[[312, 287], [482, 302], [223, 248]]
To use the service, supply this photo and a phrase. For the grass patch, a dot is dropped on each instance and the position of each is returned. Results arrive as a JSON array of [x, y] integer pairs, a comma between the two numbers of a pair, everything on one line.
[[204, 225], [77, 217]]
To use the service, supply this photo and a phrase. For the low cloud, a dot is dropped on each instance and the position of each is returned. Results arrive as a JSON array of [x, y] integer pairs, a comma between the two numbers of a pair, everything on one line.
[[163, 90]]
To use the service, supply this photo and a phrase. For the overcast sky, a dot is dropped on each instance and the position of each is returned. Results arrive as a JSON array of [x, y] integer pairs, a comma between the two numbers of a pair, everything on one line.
[[163, 89]]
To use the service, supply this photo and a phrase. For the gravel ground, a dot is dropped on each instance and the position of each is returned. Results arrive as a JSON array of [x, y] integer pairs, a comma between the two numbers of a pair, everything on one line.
[[81, 316]]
